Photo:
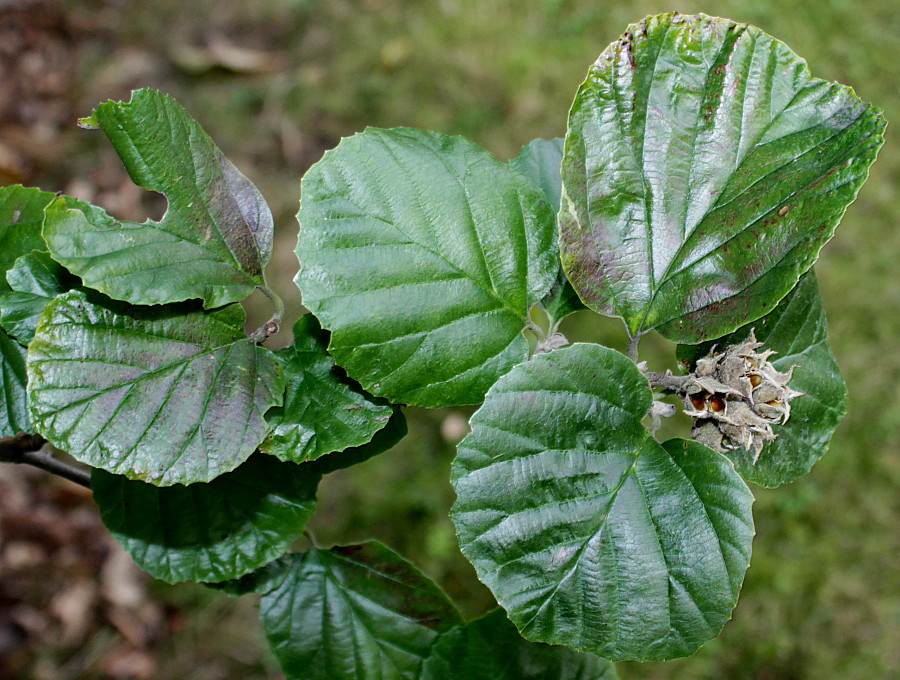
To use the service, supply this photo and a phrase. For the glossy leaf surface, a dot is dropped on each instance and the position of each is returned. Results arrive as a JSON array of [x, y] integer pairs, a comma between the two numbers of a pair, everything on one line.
[[209, 532], [352, 612], [797, 330], [704, 169], [393, 431], [422, 254], [590, 533], [162, 394], [13, 379], [491, 648], [215, 238], [322, 413], [21, 214], [34, 279], [539, 161]]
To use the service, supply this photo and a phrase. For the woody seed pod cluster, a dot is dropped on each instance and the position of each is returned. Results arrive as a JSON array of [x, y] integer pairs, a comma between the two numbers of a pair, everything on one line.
[[735, 397]]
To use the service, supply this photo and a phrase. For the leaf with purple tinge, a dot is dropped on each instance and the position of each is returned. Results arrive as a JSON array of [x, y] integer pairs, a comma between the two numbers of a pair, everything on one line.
[[215, 238], [704, 168], [194, 387]]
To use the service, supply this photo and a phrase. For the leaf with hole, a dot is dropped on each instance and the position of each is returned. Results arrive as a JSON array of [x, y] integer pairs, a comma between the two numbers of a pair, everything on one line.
[[215, 238], [193, 386], [590, 533], [704, 169], [422, 254], [797, 330], [209, 532], [351, 612], [322, 413]]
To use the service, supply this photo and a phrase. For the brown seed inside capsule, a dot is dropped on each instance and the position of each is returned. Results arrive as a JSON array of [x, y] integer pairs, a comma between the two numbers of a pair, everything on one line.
[[698, 399], [755, 380], [716, 403]]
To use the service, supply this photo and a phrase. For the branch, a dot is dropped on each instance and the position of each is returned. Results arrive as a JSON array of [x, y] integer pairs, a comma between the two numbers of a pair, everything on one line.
[[27, 449]]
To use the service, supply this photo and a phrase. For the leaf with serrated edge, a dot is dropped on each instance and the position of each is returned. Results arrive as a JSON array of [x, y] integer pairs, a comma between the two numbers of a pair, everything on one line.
[[162, 394], [422, 254], [491, 648], [797, 330], [209, 532], [35, 279], [386, 438], [321, 413], [539, 161], [352, 612], [215, 238], [704, 169], [590, 533], [13, 378]]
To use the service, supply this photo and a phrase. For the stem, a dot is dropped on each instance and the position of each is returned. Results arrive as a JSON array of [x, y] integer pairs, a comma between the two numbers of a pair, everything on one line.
[[666, 381], [270, 327], [27, 449], [632, 351]]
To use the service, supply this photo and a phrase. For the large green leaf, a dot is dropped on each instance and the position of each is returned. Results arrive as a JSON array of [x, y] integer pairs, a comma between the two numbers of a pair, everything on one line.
[[321, 413], [797, 330], [422, 254], [209, 532], [539, 161], [13, 378], [212, 243], [34, 279], [352, 613], [162, 394], [590, 533], [704, 169], [21, 214], [491, 648]]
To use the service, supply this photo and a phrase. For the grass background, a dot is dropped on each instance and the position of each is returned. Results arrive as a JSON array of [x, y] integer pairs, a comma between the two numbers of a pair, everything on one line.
[[822, 596]]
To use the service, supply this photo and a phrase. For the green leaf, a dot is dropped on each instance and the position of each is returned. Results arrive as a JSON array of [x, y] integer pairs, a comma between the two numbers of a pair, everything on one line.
[[165, 394], [491, 648], [21, 214], [13, 379], [539, 161], [797, 330], [209, 532], [34, 279], [562, 300], [384, 439], [321, 413], [352, 613], [215, 238], [589, 533], [704, 169], [422, 254]]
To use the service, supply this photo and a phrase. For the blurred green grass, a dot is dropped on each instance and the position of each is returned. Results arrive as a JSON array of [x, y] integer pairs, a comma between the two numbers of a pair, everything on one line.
[[822, 596]]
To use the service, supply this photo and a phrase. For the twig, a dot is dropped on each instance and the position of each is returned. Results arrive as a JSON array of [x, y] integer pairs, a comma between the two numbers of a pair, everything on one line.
[[27, 449], [270, 327]]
